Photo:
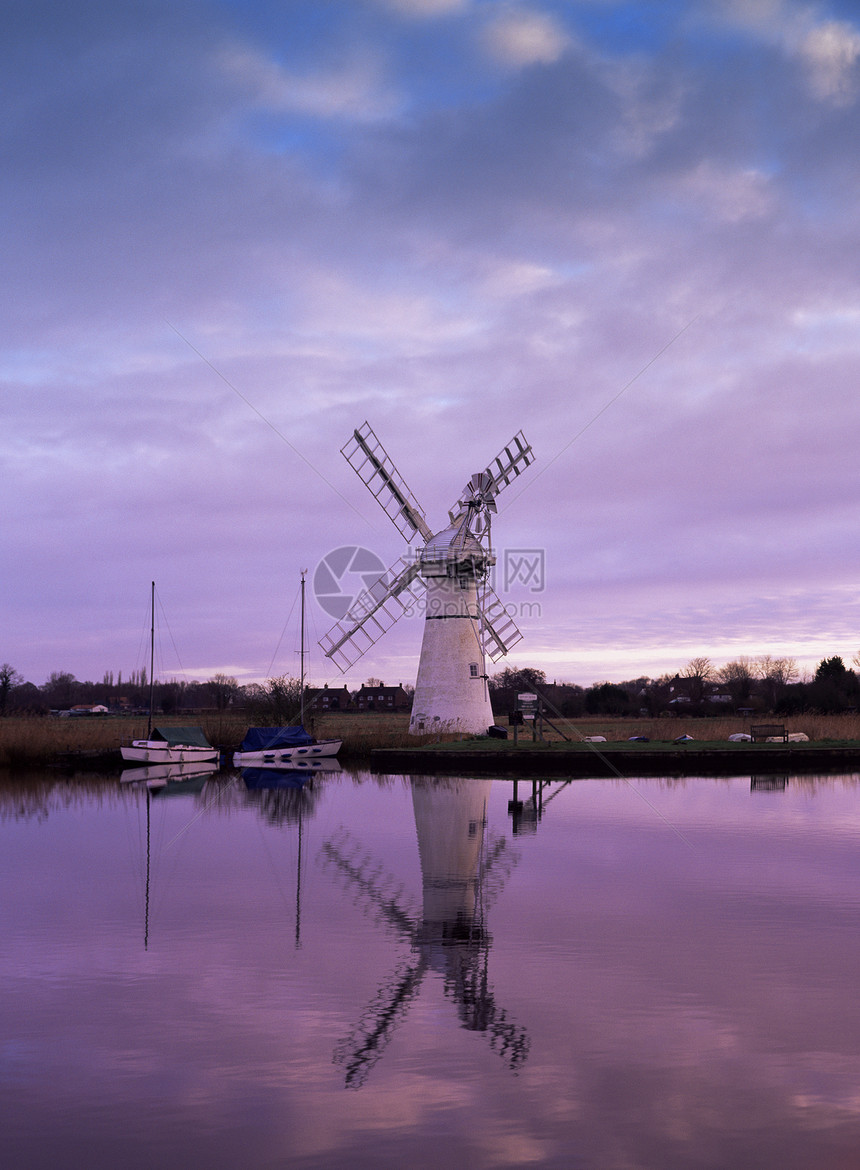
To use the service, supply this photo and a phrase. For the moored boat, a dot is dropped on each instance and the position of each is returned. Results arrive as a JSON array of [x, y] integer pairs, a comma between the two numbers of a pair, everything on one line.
[[282, 745], [166, 745], [171, 745]]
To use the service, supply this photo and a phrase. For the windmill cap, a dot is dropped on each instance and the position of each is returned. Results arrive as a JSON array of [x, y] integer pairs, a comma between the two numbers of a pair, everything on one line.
[[452, 545]]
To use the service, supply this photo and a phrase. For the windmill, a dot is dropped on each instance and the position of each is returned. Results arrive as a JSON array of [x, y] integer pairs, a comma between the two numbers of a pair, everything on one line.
[[462, 869], [465, 621]]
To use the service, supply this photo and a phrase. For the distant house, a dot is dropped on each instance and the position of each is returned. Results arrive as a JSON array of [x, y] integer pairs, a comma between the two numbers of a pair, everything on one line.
[[328, 698], [382, 698], [89, 709]]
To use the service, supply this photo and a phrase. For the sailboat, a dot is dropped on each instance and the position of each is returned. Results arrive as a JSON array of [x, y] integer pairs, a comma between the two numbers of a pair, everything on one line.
[[167, 745], [264, 746]]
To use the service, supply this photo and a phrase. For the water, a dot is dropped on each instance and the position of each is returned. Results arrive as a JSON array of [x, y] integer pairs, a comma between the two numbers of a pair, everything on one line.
[[378, 972]]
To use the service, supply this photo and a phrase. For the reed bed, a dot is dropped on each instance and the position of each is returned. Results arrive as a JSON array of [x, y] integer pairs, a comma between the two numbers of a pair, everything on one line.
[[39, 740], [34, 741]]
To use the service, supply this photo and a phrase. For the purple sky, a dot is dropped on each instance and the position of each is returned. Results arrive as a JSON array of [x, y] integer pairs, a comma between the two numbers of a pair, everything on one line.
[[454, 219]]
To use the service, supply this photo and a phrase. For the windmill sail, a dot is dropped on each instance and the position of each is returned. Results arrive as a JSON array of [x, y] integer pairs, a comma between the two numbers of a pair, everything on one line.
[[464, 621], [499, 631], [368, 458], [511, 461], [372, 614]]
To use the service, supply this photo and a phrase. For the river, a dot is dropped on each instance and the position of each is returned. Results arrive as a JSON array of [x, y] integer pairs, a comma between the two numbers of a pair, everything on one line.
[[385, 971]]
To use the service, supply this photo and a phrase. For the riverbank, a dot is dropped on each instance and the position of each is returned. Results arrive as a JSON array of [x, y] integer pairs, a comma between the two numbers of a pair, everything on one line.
[[94, 742], [382, 741], [586, 761]]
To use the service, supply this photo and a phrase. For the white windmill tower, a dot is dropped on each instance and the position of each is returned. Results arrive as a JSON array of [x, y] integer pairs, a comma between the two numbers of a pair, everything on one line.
[[465, 621]]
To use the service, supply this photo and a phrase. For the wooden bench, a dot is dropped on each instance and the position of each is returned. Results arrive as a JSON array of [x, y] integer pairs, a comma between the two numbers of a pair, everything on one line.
[[768, 731]]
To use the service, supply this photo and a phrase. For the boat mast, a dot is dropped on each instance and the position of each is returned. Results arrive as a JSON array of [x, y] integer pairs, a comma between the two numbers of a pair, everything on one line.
[[302, 657], [299, 878], [151, 664]]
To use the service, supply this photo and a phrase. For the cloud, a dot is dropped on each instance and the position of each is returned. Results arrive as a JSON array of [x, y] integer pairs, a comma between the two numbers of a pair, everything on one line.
[[360, 216], [354, 90], [830, 51], [827, 49], [726, 195], [521, 37]]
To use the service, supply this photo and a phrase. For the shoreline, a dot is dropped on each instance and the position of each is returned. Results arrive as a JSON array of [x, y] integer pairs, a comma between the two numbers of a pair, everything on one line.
[[605, 761]]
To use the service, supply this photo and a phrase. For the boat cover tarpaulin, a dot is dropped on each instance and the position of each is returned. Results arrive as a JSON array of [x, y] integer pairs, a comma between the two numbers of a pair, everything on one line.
[[175, 736], [267, 739]]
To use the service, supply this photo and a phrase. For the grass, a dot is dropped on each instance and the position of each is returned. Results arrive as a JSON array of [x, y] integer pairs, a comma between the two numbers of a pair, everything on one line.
[[35, 741]]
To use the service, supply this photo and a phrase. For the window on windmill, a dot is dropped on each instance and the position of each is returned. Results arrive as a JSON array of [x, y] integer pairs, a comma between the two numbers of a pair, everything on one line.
[[473, 670]]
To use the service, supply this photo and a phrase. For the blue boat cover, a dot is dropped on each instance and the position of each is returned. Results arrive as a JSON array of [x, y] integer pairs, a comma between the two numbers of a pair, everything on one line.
[[266, 739]]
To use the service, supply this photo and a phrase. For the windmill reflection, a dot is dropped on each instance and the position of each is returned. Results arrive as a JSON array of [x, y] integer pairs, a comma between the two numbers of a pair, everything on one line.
[[462, 873]]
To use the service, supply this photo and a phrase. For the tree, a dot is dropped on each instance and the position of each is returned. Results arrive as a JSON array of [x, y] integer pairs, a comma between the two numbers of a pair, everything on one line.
[[59, 689], [737, 677], [830, 668], [776, 674], [834, 687], [699, 671], [223, 688], [26, 697], [610, 699], [277, 701], [513, 680], [520, 678], [9, 677]]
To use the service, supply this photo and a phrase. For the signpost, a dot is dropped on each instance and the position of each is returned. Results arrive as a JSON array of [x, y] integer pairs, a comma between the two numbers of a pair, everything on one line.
[[529, 708]]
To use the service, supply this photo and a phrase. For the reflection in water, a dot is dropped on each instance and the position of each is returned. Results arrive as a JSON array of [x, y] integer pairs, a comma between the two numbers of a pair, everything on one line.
[[688, 1002], [171, 779], [159, 781], [768, 783], [526, 814], [283, 797], [461, 870], [286, 795]]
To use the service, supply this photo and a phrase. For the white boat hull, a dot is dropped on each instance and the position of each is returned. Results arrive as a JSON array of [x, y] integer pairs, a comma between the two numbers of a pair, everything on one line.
[[153, 751], [295, 755]]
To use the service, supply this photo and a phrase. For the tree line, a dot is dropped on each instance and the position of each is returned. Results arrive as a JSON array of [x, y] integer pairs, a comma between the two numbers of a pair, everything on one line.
[[62, 691], [765, 683]]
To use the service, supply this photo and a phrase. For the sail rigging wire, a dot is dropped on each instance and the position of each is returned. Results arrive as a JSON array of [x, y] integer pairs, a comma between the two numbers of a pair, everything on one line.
[[283, 631]]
